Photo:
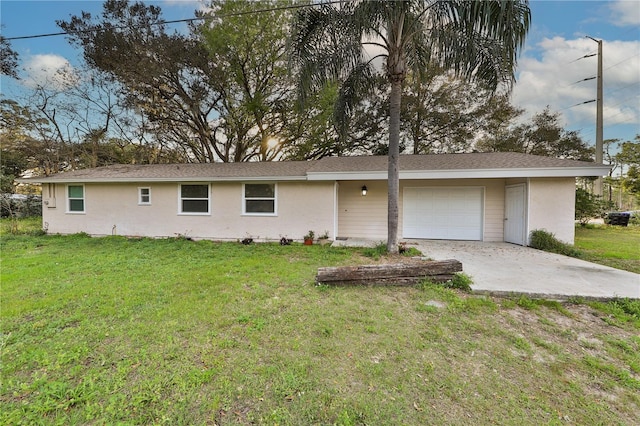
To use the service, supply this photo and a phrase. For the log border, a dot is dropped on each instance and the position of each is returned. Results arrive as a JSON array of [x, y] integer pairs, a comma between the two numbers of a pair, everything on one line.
[[389, 274]]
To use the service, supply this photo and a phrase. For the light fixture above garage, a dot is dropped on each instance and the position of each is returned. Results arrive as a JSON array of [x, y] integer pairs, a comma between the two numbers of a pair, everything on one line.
[[364, 190]]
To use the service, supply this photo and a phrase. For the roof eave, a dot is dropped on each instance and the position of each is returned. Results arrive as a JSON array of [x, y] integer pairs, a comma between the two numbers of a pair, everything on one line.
[[591, 171], [585, 171], [164, 179]]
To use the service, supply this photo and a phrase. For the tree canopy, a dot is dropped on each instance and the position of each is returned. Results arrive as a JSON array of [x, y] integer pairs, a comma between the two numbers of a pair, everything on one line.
[[247, 43], [629, 155], [219, 93], [8, 58], [167, 76], [543, 135]]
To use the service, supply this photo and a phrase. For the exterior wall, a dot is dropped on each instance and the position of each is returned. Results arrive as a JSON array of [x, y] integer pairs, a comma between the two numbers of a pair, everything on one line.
[[301, 206], [113, 209], [515, 181], [362, 216], [552, 207], [366, 217]]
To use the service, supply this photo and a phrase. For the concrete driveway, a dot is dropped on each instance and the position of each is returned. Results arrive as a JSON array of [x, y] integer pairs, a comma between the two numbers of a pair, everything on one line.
[[502, 268]]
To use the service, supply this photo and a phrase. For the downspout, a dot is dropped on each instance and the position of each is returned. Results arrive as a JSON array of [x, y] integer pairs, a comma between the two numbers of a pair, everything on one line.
[[335, 210], [527, 198]]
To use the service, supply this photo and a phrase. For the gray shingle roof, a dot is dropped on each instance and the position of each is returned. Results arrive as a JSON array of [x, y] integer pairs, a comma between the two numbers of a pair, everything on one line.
[[300, 170], [470, 161], [199, 171]]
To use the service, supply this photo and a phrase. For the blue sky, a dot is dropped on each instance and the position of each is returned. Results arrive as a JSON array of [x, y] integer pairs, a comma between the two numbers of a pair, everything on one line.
[[549, 67], [547, 73]]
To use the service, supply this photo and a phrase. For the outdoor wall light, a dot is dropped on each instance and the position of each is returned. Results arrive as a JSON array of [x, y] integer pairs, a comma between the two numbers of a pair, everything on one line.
[[364, 190]]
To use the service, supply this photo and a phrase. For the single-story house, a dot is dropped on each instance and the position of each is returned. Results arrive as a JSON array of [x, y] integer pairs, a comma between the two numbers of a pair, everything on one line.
[[476, 196]]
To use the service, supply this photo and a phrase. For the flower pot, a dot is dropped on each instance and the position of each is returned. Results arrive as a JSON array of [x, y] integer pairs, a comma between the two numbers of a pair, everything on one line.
[[308, 242]]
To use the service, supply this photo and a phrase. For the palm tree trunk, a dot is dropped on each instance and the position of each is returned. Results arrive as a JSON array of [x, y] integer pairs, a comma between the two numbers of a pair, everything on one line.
[[394, 164]]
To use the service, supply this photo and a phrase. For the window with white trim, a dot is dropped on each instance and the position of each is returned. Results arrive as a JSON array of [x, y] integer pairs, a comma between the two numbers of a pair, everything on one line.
[[259, 199], [75, 197], [144, 196], [194, 198]]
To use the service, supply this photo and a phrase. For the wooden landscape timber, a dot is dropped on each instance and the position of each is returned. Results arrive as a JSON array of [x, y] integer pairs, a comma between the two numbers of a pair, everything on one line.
[[390, 274]]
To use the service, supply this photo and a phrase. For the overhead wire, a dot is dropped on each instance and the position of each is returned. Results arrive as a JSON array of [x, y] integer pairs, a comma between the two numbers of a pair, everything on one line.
[[624, 60], [179, 21]]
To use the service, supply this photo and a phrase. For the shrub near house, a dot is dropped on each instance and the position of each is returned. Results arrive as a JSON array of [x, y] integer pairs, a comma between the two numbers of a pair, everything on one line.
[[19, 205], [589, 206]]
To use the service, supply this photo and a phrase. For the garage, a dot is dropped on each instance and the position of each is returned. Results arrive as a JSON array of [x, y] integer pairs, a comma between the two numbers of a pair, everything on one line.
[[443, 213]]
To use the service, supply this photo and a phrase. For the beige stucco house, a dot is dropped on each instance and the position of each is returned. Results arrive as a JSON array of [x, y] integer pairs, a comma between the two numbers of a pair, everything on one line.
[[478, 196]]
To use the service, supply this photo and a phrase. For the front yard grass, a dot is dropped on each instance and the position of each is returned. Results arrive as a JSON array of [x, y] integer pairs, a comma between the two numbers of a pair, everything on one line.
[[140, 331], [615, 246]]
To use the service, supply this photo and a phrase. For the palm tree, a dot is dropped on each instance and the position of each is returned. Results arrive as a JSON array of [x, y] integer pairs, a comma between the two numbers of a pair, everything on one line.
[[477, 40]]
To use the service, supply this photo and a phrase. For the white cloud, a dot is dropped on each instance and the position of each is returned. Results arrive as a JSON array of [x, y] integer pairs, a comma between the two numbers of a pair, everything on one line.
[[553, 78], [51, 71], [625, 12]]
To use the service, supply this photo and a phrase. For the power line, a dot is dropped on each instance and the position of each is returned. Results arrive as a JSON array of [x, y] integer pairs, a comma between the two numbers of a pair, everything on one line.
[[609, 124], [120, 27], [624, 60], [179, 21], [622, 102], [592, 129], [622, 88]]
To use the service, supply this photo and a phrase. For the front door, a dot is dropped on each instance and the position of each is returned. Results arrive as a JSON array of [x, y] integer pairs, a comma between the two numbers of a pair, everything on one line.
[[514, 215]]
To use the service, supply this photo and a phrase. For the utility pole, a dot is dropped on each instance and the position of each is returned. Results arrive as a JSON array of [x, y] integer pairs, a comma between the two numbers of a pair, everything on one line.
[[599, 120]]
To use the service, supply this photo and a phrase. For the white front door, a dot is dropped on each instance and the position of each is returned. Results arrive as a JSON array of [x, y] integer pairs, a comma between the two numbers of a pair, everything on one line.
[[443, 213], [514, 215]]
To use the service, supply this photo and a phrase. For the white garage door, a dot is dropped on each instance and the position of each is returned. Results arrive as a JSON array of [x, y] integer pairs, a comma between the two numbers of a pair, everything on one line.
[[442, 213]]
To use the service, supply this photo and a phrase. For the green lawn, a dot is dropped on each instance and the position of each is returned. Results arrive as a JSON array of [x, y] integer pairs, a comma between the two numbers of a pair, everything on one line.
[[614, 246], [127, 331]]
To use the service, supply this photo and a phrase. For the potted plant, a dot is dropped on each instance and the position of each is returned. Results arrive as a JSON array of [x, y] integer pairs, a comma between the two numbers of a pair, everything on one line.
[[324, 238], [308, 239], [402, 247]]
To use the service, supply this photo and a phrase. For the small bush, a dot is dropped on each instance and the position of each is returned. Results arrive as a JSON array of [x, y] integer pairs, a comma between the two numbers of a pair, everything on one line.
[[376, 252], [526, 303], [37, 232], [623, 310], [630, 307], [380, 250], [12, 205], [460, 281], [543, 240], [411, 252], [546, 241]]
